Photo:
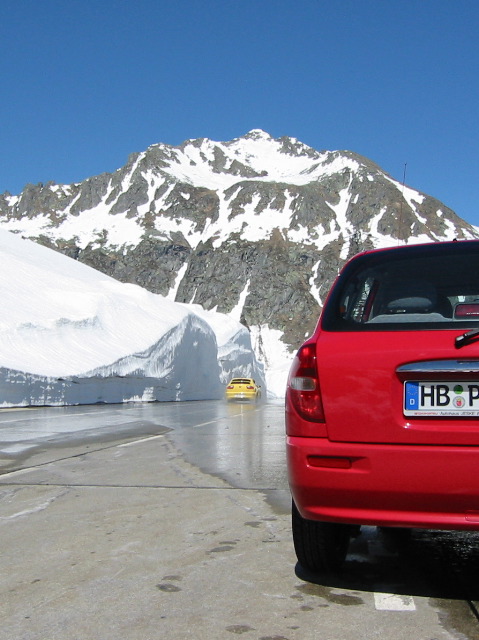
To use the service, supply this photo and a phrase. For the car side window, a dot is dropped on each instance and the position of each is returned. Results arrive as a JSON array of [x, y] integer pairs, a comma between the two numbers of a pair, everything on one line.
[[358, 298]]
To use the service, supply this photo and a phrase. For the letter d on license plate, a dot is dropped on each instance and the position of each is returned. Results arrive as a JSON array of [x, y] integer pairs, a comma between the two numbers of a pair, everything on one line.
[[439, 398]]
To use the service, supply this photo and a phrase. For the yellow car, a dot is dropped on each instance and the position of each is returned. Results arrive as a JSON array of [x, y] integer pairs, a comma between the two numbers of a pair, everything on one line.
[[243, 389]]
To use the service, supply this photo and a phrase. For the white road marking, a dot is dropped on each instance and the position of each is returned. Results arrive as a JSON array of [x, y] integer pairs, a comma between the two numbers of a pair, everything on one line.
[[40, 417], [17, 472], [234, 415], [202, 424], [393, 602], [129, 444]]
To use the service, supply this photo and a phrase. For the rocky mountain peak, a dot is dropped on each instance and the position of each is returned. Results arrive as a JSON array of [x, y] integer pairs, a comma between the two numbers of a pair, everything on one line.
[[256, 226]]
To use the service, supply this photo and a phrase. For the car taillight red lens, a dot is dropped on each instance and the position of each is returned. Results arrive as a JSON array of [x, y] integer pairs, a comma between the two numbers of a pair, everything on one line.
[[249, 387], [303, 385]]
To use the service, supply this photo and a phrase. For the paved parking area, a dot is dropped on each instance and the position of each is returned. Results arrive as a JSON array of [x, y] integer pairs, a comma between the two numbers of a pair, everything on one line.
[[128, 540]]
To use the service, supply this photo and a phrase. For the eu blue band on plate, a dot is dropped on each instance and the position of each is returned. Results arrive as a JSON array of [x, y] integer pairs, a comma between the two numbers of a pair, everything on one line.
[[411, 397]]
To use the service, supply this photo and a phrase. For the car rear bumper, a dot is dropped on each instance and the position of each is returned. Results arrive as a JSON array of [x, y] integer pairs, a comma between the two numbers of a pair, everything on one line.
[[241, 396], [431, 487]]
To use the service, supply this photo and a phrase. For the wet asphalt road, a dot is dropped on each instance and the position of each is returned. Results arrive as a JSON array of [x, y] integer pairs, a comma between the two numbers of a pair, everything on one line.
[[225, 460], [240, 442]]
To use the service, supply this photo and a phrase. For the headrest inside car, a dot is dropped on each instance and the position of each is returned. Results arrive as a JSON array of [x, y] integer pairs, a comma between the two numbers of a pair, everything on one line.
[[411, 297]]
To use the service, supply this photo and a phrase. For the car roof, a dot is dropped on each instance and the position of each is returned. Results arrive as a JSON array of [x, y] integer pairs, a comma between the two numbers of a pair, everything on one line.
[[410, 250], [419, 246]]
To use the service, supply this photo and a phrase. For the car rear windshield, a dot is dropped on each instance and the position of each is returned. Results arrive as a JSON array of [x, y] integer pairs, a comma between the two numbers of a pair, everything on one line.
[[418, 287]]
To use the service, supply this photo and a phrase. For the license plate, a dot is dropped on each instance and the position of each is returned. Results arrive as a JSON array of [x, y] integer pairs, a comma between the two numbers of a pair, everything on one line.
[[441, 398]]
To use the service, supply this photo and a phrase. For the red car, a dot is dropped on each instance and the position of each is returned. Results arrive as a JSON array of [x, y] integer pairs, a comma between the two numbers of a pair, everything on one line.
[[382, 403]]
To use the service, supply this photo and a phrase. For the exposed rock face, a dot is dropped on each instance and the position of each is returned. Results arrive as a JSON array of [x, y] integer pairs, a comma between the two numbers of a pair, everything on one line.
[[256, 226]]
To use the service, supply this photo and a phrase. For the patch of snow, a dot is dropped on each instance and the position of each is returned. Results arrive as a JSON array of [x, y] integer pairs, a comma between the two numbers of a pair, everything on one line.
[[412, 197], [313, 288], [339, 164], [381, 241], [166, 226], [126, 182], [275, 355], [259, 226], [89, 225], [300, 235], [424, 238], [12, 200], [346, 228], [238, 309], [33, 227], [171, 295]]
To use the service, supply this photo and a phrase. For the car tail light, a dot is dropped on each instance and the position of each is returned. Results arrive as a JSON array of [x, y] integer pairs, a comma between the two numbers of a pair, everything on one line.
[[249, 387], [303, 385]]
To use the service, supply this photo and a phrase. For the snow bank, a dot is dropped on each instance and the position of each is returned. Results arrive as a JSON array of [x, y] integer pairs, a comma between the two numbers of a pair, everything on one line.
[[234, 346], [71, 335]]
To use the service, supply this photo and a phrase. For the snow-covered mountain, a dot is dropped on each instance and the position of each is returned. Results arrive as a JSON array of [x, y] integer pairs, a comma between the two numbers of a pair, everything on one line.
[[255, 228], [72, 335]]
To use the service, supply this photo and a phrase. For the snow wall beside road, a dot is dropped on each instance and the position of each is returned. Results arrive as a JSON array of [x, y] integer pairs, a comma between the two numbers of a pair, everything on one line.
[[71, 335]]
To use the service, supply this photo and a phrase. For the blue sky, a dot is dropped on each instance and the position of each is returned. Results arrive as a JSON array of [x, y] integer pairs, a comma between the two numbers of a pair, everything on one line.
[[84, 83]]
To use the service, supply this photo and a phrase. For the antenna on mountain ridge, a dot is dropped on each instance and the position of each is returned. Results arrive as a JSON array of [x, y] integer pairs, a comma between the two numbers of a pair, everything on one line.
[[400, 206]]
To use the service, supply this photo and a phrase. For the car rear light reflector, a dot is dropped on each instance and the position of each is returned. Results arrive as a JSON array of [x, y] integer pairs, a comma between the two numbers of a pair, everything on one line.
[[330, 462]]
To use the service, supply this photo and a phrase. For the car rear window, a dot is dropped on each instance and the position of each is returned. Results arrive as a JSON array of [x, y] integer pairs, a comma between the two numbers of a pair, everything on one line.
[[418, 287]]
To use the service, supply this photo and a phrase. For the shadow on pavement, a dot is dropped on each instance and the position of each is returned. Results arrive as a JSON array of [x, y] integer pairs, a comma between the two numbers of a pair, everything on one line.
[[435, 564]]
